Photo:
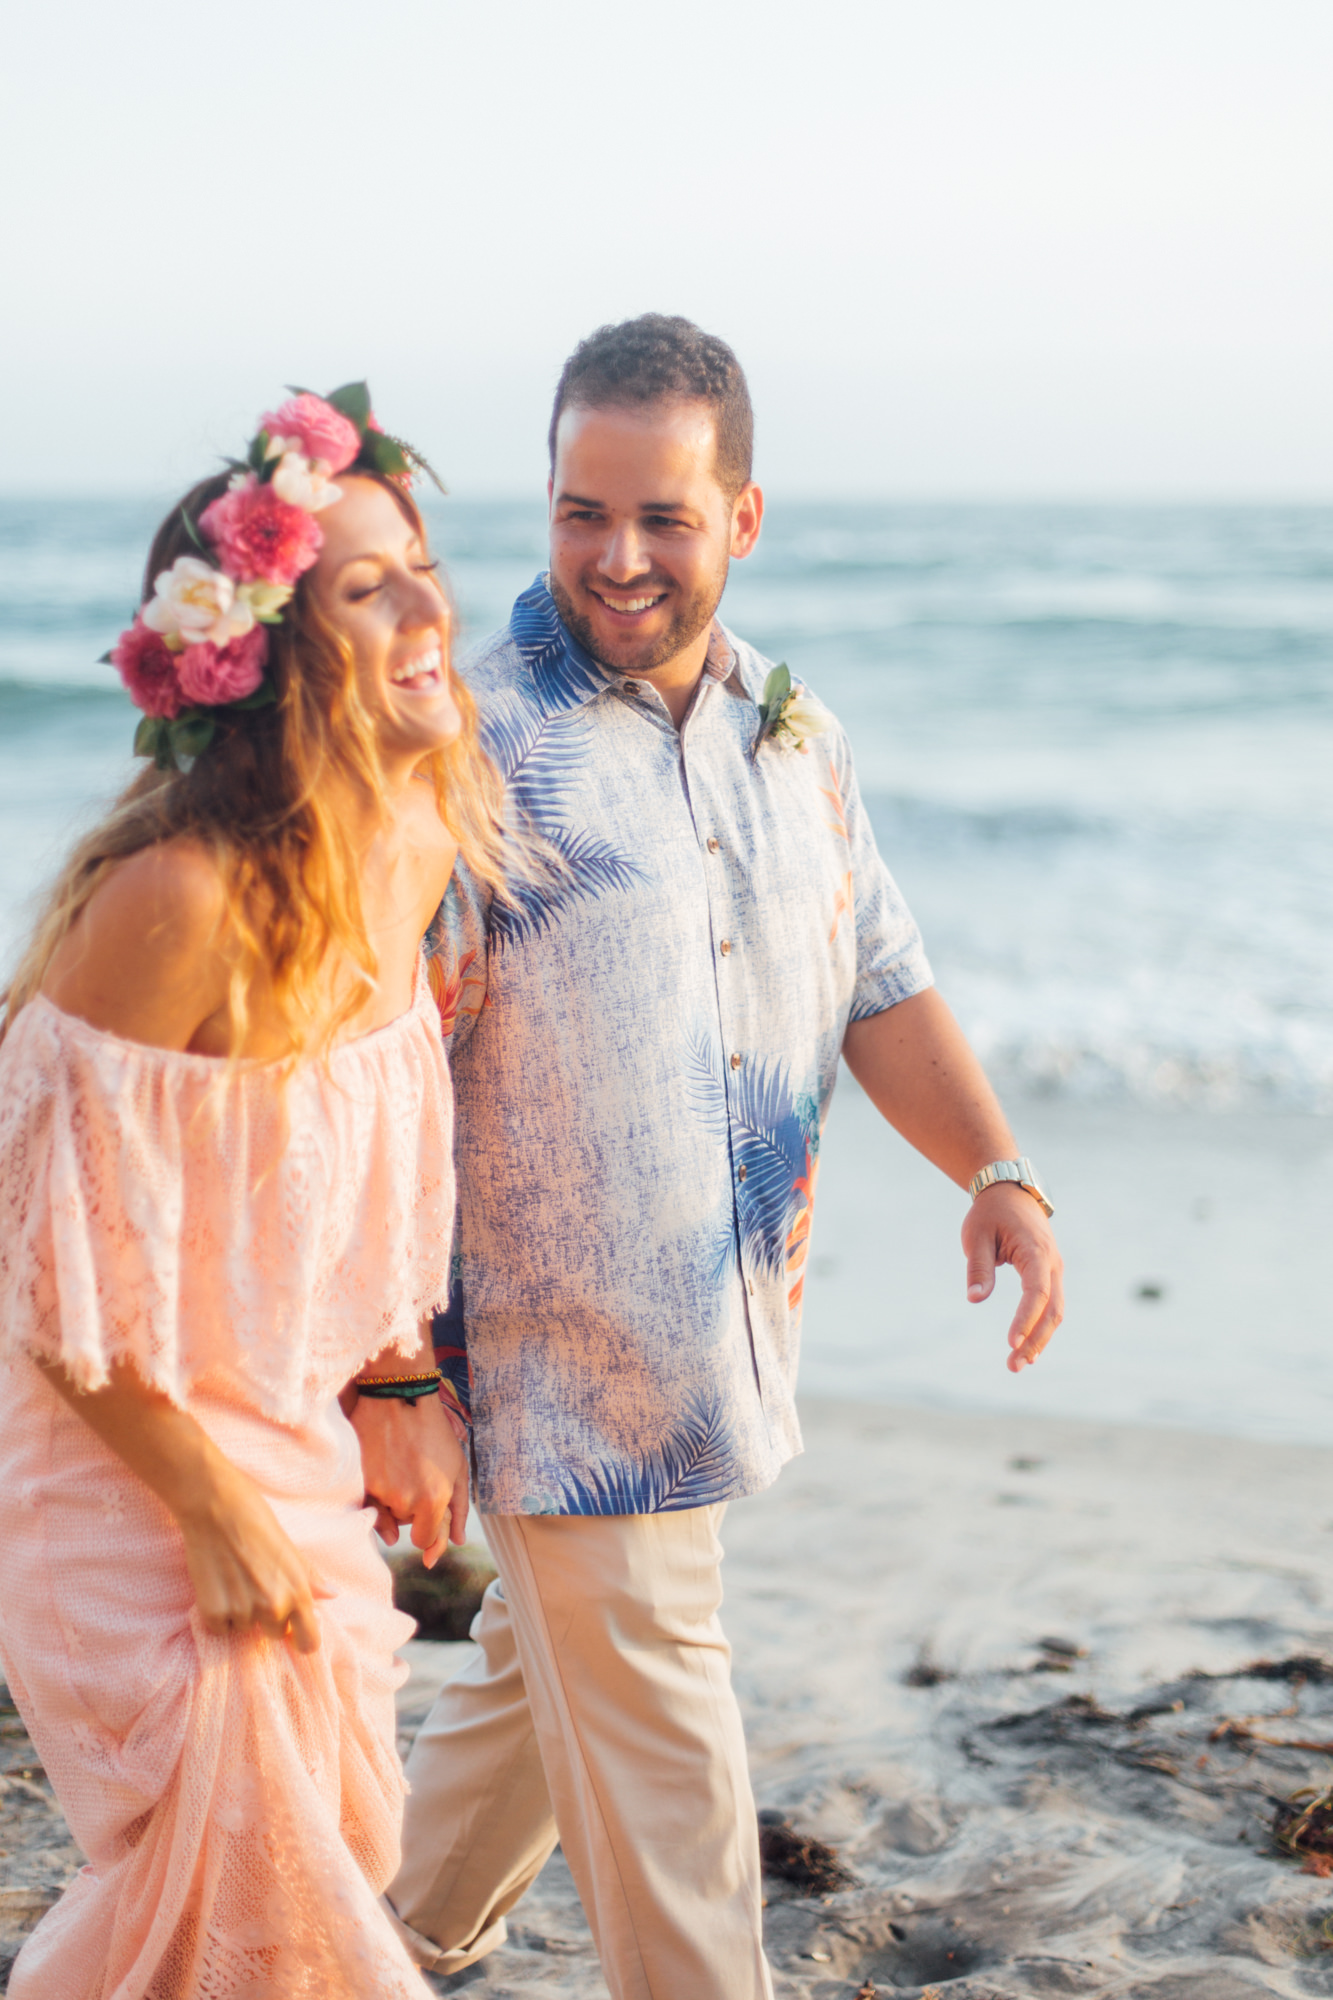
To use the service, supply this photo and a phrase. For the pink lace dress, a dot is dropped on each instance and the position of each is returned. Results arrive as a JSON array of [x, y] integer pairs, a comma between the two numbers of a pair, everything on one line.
[[239, 1803]]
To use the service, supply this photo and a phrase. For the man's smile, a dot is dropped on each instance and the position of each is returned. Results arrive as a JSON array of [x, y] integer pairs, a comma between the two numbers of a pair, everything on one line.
[[629, 607]]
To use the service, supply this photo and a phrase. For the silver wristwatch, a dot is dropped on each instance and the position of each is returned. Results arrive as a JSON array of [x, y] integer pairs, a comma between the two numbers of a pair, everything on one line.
[[1021, 1171]]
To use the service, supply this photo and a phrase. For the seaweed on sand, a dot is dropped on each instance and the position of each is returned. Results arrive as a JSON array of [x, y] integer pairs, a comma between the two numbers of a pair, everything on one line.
[[1303, 1826], [810, 1865]]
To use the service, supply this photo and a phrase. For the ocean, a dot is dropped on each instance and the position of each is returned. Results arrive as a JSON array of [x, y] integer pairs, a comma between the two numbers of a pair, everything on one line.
[[1096, 742]]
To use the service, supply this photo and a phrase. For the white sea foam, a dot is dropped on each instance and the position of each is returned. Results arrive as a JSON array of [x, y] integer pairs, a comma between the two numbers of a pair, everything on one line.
[[1096, 743]]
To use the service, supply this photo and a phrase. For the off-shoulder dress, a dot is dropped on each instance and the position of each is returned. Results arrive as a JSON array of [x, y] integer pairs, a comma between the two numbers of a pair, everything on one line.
[[247, 1248]]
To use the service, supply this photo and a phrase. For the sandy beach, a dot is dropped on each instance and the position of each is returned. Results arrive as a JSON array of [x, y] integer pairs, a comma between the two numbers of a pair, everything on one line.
[[986, 1659], [986, 1654]]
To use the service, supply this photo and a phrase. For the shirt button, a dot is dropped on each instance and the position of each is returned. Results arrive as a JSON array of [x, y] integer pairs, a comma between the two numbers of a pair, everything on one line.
[[713, 843], [631, 687], [725, 947], [735, 1062], [742, 1173]]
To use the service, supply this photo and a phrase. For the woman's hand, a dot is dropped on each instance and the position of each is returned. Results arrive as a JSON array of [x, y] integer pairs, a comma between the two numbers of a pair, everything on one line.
[[414, 1470], [412, 1464], [246, 1572]]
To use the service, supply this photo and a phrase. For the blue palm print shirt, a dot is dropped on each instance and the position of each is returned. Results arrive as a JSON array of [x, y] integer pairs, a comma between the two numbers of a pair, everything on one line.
[[644, 1051]]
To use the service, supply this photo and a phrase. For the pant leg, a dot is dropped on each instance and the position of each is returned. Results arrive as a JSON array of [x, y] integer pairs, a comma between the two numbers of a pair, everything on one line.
[[628, 1680], [478, 1826]]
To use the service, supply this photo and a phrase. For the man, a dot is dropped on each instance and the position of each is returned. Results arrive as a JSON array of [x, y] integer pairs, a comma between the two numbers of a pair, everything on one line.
[[647, 1040]]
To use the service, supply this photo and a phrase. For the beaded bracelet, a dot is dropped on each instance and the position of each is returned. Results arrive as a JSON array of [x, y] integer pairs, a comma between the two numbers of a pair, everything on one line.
[[406, 1388]]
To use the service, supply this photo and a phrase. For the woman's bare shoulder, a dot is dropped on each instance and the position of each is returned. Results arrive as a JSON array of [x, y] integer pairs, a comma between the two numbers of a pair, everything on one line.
[[147, 956]]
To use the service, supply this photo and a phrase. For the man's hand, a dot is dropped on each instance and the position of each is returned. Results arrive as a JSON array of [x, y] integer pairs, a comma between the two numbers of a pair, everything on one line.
[[1006, 1226], [414, 1470], [915, 1066]]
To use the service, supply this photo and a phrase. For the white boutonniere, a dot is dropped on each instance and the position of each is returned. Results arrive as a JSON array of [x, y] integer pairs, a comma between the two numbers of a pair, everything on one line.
[[788, 716]]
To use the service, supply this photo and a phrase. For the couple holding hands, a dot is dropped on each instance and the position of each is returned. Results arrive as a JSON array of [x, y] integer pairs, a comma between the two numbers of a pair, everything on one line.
[[307, 1225]]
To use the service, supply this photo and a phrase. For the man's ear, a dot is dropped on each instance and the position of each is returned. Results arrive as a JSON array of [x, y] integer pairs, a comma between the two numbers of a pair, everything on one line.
[[747, 515]]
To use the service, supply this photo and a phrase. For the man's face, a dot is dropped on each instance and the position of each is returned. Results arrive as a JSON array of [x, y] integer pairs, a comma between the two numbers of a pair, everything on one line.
[[641, 532]]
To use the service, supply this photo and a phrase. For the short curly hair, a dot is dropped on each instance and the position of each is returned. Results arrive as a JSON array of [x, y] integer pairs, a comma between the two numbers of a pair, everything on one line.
[[660, 357]]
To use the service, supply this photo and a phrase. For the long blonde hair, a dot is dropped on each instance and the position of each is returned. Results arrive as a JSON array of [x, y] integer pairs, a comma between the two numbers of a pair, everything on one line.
[[257, 800]]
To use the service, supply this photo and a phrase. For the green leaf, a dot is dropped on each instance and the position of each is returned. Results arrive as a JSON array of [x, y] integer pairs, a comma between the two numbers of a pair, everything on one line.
[[104, 660], [263, 697], [352, 401], [776, 690], [148, 736], [293, 390], [778, 686], [190, 734], [194, 535], [258, 452], [385, 454]]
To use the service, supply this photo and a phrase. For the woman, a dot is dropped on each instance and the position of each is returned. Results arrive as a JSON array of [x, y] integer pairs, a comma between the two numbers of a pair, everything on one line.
[[225, 1191]]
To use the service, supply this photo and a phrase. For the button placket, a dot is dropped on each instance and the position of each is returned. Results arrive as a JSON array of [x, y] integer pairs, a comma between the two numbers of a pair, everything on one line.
[[722, 918]]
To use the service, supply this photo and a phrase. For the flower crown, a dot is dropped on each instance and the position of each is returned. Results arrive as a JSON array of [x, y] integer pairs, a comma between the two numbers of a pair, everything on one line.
[[200, 645]]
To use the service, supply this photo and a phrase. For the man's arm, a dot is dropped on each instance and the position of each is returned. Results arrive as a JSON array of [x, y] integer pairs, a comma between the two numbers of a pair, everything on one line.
[[916, 1068]]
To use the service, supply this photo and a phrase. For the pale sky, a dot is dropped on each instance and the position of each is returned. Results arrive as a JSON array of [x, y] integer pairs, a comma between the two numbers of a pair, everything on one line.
[[963, 247]]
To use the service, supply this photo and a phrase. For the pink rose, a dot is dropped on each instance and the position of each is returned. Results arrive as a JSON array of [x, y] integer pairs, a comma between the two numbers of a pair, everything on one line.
[[148, 669], [322, 431], [258, 537], [211, 675]]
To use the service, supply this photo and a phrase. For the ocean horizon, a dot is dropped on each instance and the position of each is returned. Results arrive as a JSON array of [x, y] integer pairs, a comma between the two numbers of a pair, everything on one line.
[[1094, 739]]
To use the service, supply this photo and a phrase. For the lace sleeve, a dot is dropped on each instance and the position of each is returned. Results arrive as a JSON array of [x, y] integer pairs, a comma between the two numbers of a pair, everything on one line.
[[90, 1205], [156, 1212]]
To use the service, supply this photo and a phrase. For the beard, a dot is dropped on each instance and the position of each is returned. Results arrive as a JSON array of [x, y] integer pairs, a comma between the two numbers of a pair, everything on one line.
[[691, 616]]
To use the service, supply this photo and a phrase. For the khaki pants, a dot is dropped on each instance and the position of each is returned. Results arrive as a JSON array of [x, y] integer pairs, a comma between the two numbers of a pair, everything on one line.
[[598, 1711]]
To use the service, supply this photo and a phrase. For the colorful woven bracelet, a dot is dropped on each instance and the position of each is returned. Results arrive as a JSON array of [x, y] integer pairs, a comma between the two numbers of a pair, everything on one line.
[[406, 1388]]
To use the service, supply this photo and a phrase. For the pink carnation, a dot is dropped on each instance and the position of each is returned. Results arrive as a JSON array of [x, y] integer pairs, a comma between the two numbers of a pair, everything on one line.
[[210, 676], [324, 432], [148, 669], [259, 538]]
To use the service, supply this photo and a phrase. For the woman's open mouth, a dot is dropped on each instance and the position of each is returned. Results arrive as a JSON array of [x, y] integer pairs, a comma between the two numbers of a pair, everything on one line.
[[423, 671]]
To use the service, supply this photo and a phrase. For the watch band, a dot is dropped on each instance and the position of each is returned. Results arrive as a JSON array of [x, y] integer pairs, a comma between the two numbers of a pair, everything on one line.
[[1021, 1172]]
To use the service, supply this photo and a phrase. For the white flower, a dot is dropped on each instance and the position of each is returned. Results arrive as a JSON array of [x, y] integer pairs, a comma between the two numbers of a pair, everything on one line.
[[278, 447], [194, 602], [304, 482], [802, 717]]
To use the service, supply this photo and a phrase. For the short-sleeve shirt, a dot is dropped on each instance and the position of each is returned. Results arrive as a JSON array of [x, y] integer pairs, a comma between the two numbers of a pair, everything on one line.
[[644, 1049]]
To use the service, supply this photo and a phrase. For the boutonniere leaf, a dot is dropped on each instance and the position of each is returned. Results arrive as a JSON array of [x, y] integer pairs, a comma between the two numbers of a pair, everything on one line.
[[777, 688]]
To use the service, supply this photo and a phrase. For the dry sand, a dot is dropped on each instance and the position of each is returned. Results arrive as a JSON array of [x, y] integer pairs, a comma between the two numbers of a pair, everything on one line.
[[1012, 1829]]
